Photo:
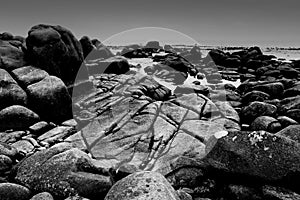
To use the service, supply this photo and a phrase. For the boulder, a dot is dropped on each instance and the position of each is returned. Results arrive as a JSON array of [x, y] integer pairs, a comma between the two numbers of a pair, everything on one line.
[[17, 117], [275, 90], [10, 92], [153, 45], [49, 96], [290, 103], [28, 75], [255, 157], [42, 196], [12, 191], [286, 121], [87, 45], [142, 185], [11, 56], [254, 96], [256, 109], [63, 171], [7, 150], [56, 50], [265, 123], [292, 132]]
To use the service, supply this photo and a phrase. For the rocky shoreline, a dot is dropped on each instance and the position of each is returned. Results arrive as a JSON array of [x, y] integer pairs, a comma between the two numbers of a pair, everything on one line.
[[78, 122]]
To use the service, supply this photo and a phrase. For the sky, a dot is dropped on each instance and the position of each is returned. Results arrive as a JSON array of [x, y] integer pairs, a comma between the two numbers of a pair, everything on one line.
[[210, 22]]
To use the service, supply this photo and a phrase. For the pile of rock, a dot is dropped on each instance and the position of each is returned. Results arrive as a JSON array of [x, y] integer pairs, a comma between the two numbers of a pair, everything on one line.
[[135, 139]]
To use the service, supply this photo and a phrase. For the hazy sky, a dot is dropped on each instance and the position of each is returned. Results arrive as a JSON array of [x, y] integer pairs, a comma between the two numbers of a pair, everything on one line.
[[222, 22]]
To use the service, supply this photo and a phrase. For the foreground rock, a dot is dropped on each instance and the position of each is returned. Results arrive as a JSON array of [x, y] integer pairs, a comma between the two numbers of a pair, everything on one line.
[[257, 156], [142, 185], [63, 171], [143, 127], [11, 191]]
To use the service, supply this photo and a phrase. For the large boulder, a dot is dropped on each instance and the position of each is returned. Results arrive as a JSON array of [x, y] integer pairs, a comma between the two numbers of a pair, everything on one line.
[[17, 117], [142, 185], [11, 55], [50, 99], [56, 50], [256, 157], [10, 92], [63, 171]]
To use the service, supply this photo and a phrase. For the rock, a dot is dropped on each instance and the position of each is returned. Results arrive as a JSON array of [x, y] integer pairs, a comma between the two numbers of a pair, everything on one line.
[[254, 96], [292, 132], [183, 195], [114, 65], [47, 97], [11, 137], [5, 164], [292, 92], [294, 114], [142, 185], [290, 103], [40, 127], [254, 157], [56, 134], [17, 117], [217, 56], [42, 196], [256, 109], [10, 92], [63, 171], [242, 192], [7, 150], [288, 71], [273, 89], [55, 50], [265, 123], [6, 36], [23, 146], [232, 62], [142, 128], [271, 192], [254, 64], [87, 45], [286, 121], [11, 191], [188, 89], [12, 57], [28, 75], [166, 73], [70, 122], [195, 54], [153, 45]]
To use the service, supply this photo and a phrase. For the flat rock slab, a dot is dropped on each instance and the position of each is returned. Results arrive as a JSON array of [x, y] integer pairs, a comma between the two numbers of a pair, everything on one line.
[[133, 130]]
